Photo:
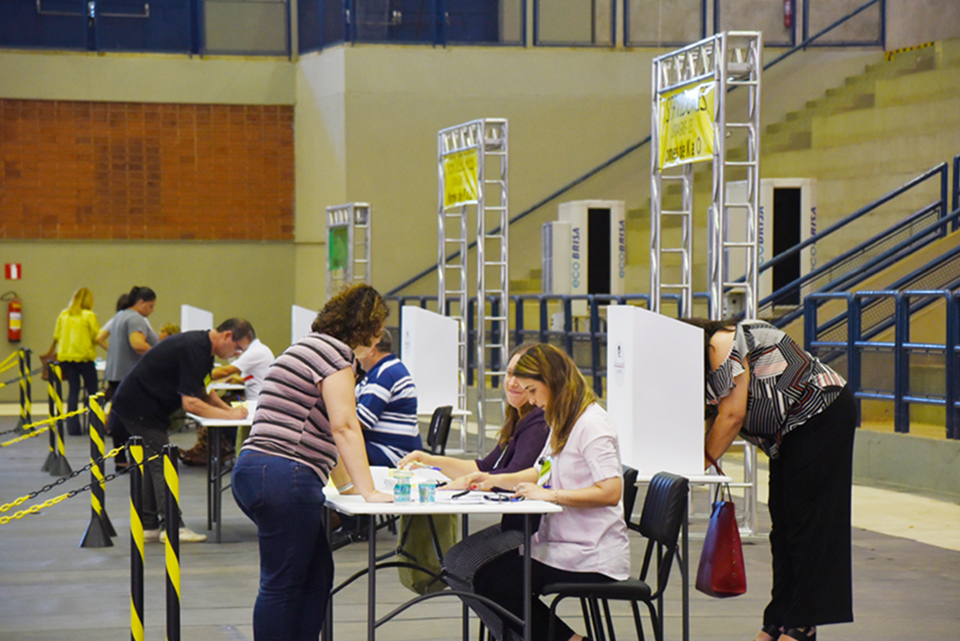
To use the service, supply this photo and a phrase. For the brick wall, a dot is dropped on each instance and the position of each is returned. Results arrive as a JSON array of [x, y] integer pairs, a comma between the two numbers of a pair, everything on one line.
[[99, 170]]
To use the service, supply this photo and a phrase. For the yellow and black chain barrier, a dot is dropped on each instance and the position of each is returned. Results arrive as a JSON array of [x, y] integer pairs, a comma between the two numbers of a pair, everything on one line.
[[7, 363], [30, 426], [33, 509]]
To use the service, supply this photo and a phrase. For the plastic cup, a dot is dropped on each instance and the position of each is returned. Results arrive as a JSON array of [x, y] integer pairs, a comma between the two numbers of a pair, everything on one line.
[[428, 492], [401, 491]]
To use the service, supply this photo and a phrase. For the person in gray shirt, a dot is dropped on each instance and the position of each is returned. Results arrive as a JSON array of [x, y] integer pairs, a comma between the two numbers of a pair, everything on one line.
[[132, 337]]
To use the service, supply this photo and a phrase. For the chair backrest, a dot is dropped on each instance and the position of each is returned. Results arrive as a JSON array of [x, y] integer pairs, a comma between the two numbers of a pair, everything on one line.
[[439, 429], [629, 495], [664, 509]]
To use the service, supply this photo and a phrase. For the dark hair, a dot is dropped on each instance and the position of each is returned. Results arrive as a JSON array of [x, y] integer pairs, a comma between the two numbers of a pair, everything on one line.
[[385, 346], [238, 327], [355, 315], [122, 302], [511, 414], [710, 327], [569, 393], [138, 294]]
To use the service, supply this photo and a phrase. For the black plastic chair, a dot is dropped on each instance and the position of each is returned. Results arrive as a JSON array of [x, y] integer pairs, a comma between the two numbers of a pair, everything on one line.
[[663, 512], [439, 429]]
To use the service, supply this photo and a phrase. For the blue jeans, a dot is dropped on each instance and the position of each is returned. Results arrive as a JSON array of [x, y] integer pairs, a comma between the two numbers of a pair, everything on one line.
[[285, 499]]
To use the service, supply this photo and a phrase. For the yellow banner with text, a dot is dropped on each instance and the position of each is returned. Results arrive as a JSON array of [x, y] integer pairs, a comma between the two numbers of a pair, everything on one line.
[[460, 177], [686, 125]]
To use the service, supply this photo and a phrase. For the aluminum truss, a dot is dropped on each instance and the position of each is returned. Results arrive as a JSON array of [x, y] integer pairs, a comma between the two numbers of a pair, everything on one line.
[[478, 149], [353, 221], [727, 60]]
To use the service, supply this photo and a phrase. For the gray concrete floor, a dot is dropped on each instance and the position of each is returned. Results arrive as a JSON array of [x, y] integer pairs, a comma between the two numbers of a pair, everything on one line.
[[52, 590]]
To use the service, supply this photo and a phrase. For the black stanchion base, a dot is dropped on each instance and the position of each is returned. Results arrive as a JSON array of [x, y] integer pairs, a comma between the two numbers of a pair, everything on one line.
[[20, 426], [96, 535], [49, 463], [107, 525], [60, 467]]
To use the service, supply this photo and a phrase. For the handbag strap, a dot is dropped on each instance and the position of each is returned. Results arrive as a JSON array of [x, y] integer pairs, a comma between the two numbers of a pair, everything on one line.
[[716, 464]]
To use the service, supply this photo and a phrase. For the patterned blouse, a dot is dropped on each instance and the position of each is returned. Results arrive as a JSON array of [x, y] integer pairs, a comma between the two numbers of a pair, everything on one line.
[[787, 385]]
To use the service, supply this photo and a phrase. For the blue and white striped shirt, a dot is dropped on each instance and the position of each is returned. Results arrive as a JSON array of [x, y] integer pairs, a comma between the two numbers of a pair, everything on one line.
[[387, 408]]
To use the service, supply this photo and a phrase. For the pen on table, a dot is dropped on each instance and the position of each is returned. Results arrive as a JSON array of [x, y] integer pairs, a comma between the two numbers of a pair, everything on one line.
[[459, 494]]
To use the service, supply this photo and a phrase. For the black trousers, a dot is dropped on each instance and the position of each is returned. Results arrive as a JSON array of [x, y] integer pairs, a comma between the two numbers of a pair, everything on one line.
[[74, 371], [154, 508], [810, 484], [502, 581]]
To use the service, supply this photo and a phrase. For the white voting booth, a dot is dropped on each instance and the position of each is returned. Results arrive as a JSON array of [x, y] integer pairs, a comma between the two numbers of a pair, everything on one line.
[[430, 353], [301, 320], [195, 318], [655, 390]]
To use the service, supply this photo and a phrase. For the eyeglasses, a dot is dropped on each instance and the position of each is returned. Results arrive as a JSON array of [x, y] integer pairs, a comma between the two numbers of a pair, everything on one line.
[[240, 350]]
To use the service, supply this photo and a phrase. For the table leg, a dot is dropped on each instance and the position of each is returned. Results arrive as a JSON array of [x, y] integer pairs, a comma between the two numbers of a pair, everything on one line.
[[326, 633], [209, 485], [213, 440], [465, 532], [685, 570], [371, 578], [527, 579]]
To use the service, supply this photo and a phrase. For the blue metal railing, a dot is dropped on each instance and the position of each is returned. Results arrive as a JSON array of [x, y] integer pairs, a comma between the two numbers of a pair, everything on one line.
[[896, 387], [572, 322], [869, 257]]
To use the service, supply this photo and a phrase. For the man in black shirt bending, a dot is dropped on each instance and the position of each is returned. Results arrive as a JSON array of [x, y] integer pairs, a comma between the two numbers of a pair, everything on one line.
[[171, 375]]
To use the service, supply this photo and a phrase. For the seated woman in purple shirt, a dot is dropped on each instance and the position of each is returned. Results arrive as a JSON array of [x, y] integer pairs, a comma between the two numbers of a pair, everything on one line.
[[520, 441]]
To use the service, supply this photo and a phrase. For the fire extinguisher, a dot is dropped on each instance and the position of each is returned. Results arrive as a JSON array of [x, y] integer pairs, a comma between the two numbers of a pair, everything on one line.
[[14, 316], [788, 13]]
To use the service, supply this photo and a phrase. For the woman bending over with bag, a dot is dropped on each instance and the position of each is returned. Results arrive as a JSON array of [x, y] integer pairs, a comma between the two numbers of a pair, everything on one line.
[[580, 470], [802, 414]]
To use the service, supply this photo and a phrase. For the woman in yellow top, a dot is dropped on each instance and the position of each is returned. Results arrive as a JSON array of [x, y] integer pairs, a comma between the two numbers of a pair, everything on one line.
[[74, 340]]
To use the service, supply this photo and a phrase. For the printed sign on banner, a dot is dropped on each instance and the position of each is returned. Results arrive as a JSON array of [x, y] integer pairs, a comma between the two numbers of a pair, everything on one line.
[[460, 174], [686, 125]]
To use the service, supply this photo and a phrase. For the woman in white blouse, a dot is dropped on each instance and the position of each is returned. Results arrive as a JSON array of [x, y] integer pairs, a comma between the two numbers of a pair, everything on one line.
[[580, 470]]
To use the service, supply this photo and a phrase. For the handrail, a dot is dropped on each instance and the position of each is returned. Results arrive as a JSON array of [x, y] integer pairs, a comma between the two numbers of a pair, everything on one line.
[[901, 347], [873, 265], [619, 156], [790, 253]]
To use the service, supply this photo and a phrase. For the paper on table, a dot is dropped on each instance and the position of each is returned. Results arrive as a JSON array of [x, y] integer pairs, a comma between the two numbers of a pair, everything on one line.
[[447, 496], [383, 482]]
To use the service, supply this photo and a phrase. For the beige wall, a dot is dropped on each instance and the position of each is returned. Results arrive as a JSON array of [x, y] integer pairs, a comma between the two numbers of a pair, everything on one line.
[[252, 280], [568, 109]]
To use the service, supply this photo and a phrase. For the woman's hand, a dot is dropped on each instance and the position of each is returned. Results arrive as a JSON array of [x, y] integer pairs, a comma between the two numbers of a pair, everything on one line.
[[416, 456], [534, 492], [460, 483], [476, 481], [378, 497]]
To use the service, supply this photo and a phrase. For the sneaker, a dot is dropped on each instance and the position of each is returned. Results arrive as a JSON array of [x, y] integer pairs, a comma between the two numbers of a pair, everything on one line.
[[186, 536], [151, 536]]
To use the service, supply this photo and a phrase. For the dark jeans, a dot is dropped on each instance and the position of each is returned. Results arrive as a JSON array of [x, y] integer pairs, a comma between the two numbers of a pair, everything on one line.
[[73, 372], [118, 432], [154, 508], [501, 580], [810, 484], [285, 499]]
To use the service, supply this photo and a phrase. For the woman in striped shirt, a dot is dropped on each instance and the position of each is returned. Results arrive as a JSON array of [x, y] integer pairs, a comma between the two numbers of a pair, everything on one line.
[[761, 384], [306, 418]]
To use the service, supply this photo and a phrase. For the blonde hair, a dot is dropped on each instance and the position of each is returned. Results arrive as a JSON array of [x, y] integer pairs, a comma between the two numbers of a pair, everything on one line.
[[569, 393], [82, 299]]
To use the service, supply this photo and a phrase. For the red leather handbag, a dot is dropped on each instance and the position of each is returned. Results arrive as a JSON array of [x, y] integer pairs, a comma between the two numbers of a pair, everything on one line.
[[721, 572]]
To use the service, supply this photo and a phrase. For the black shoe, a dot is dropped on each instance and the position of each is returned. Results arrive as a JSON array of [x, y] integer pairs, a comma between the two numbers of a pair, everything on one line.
[[339, 539], [808, 633]]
